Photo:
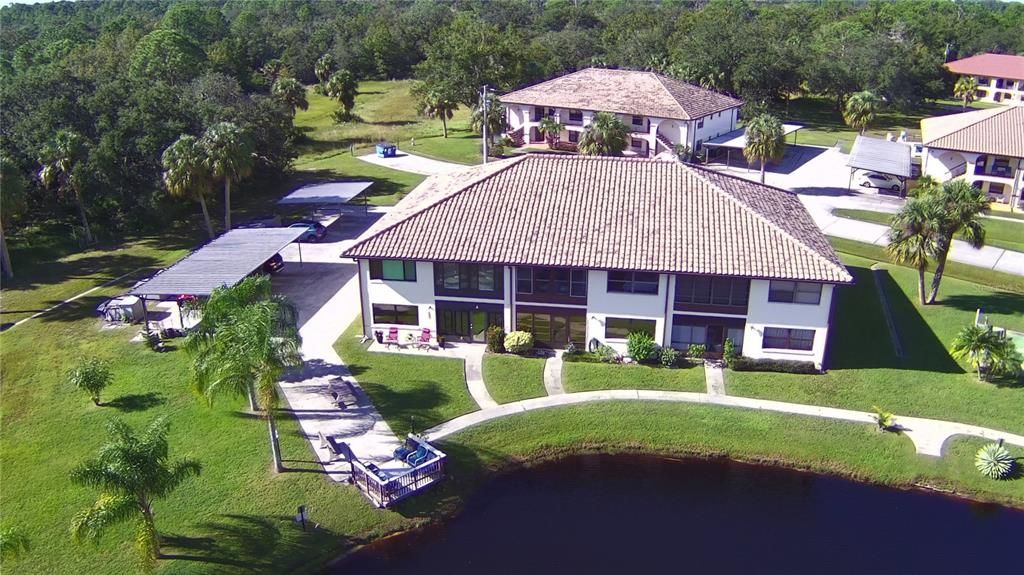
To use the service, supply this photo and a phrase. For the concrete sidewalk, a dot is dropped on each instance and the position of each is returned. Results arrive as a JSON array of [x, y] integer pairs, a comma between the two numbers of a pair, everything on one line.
[[407, 162]]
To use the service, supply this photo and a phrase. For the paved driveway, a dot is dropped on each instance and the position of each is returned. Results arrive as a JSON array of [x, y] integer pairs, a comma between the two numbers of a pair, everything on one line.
[[412, 163]]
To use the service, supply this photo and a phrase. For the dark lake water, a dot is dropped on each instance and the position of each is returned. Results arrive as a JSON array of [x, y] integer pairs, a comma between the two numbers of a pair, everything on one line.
[[594, 515]]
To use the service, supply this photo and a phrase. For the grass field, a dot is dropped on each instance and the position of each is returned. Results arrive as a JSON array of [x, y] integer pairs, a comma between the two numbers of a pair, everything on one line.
[[998, 233], [582, 376], [512, 378], [865, 372]]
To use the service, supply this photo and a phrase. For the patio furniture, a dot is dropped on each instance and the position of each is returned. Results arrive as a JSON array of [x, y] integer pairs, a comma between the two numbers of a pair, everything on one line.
[[392, 338], [335, 447], [419, 456], [402, 452], [338, 400], [424, 341]]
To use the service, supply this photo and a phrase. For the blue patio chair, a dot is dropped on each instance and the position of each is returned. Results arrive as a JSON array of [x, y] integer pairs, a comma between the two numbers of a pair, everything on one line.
[[418, 457], [402, 452]]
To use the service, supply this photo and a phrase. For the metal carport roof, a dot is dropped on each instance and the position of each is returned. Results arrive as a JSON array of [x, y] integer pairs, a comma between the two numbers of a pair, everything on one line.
[[737, 139], [882, 156], [223, 262], [326, 193]]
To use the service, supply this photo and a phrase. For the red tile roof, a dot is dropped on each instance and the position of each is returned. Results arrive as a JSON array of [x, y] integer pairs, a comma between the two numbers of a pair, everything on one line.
[[606, 213], [998, 131], [991, 65]]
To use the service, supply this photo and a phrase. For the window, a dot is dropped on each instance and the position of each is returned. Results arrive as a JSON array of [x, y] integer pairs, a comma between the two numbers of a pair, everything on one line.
[[621, 327], [633, 282], [551, 281], [794, 292], [467, 277], [397, 314], [393, 270], [636, 143], [637, 121], [683, 336], [575, 116], [574, 136], [786, 338], [700, 123], [712, 291]]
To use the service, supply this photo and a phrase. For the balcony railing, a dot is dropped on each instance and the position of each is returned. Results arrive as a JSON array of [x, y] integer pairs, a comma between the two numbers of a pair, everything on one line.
[[1000, 171]]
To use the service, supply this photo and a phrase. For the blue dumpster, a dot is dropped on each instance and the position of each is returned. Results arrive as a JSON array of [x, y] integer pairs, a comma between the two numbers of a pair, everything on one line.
[[386, 150]]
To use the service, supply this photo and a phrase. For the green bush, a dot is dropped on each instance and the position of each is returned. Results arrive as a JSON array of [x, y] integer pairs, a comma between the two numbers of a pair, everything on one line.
[[607, 354], [994, 461], [729, 352], [669, 357], [696, 351], [741, 363], [640, 346], [495, 339], [91, 376], [519, 342], [884, 419]]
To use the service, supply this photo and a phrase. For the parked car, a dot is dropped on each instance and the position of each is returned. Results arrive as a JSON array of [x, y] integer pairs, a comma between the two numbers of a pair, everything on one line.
[[315, 231], [880, 181], [273, 265]]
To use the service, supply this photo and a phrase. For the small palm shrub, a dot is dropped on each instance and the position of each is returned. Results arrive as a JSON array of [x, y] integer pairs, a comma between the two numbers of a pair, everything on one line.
[[669, 357], [884, 419], [91, 376], [729, 352], [994, 461], [640, 346], [696, 351], [495, 339], [519, 342]]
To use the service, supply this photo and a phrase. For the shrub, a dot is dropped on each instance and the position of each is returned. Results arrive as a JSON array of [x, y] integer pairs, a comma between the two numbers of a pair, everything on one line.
[[741, 363], [607, 354], [519, 342], [884, 419], [669, 357], [994, 461], [640, 346], [495, 339], [729, 352], [696, 351], [91, 376], [571, 349]]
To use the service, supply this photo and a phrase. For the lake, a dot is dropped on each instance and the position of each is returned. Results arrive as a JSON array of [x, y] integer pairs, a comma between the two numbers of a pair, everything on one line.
[[624, 515]]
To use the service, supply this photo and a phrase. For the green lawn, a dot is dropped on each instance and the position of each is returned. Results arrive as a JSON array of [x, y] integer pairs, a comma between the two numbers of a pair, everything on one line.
[[824, 126], [412, 392], [853, 450], [584, 376], [512, 378], [998, 233], [864, 371]]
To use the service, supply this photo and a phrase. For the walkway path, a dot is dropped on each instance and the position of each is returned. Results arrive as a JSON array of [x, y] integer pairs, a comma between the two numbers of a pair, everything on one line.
[[407, 162], [474, 358], [553, 374], [928, 435], [714, 378]]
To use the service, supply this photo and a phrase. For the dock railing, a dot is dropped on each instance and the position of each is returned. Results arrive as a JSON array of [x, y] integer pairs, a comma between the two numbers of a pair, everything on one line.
[[390, 489]]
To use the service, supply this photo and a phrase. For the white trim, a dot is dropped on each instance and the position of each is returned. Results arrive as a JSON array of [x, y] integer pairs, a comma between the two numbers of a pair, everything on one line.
[[707, 314]]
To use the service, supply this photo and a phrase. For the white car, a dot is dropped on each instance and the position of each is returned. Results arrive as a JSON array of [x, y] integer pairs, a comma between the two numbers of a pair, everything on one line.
[[880, 181]]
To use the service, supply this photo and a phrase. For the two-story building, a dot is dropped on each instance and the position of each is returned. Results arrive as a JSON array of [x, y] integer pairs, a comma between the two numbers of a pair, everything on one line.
[[661, 112], [984, 147], [590, 249], [1000, 76]]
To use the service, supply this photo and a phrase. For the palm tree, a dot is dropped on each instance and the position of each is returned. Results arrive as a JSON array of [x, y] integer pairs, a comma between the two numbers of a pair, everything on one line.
[[959, 209], [342, 87], [291, 92], [982, 347], [965, 89], [552, 130], [765, 140], [434, 104], [61, 159], [495, 118], [186, 173], [229, 157], [912, 237], [245, 340], [860, 110], [605, 136], [132, 470], [12, 203], [324, 67]]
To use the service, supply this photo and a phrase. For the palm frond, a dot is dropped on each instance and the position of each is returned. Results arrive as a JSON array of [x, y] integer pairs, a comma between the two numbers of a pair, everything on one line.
[[108, 511]]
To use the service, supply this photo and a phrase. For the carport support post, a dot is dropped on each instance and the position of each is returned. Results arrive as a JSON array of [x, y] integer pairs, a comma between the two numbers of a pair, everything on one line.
[[300, 252], [849, 183], [145, 315]]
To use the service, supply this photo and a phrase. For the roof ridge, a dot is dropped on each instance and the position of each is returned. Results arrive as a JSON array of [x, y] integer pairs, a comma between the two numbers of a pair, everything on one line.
[[429, 205], [701, 173], [661, 82]]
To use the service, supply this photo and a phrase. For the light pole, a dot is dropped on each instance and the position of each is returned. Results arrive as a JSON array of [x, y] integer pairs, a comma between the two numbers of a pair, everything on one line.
[[483, 118]]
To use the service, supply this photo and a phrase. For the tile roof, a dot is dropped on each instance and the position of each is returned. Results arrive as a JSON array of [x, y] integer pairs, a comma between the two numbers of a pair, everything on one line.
[[991, 65], [998, 131], [624, 92], [606, 213]]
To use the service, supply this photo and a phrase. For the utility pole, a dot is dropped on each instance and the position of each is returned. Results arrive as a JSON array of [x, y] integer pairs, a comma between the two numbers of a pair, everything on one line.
[[483, 108]]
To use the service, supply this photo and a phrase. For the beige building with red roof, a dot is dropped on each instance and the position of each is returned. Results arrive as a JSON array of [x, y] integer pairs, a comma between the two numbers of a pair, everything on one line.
[[589, 249], [1000, 76], [984, 147], [661, 112]]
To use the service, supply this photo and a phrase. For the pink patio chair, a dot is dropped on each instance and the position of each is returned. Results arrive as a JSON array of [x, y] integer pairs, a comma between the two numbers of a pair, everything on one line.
[[392, 338], [424, 341]]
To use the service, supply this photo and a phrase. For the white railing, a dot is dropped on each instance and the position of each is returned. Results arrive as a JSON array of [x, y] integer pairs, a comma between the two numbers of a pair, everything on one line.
[[384, 490]]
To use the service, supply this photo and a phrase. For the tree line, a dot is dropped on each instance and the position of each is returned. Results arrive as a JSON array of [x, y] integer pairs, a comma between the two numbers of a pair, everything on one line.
[[123, 80]]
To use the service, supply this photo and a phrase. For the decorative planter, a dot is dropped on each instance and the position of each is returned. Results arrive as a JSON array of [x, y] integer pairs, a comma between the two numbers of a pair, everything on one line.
[[379, 335]]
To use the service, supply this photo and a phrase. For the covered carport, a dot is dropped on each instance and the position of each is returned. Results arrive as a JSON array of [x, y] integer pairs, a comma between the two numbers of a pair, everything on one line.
[[224, 261], [737, 140], [325, 194], [882, 156]]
